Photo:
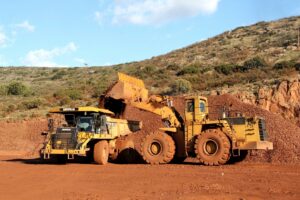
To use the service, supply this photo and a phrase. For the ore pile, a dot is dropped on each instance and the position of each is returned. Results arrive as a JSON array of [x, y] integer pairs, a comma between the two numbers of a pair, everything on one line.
[[283, 134]]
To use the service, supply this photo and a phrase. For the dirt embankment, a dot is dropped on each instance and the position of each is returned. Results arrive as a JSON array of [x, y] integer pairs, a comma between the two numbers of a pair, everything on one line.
[[284, 134], [21, 137]]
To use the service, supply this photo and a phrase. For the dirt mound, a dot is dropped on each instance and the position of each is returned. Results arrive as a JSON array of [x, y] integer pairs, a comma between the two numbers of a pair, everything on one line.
[[151, 123], [282, 133], [21, 137]]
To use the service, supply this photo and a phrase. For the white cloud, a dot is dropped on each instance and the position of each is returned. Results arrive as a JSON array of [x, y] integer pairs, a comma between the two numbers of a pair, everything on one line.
[[45, 58], [99, 17], [160, 11], [26, 25], [3, 38]]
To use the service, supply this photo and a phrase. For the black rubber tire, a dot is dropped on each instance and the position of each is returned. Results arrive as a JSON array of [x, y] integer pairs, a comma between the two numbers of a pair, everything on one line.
[[215, 141], [178, 160], [61, 159], [237, 159], [164, 145], [101, 152]]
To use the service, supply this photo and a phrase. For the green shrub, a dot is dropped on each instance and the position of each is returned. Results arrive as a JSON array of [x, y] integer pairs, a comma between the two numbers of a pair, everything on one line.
[[297, 66], [192, 69], [173, 67], [284, 64], [64, 101], [228, 69], [74, 94], [11, 108], [181, 86], [58, 75], [35, 103], [225, 69], [16, 88], [255, 62], [70, 94]]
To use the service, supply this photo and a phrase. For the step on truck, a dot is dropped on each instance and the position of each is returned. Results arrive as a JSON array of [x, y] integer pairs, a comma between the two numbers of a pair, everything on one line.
[[84, 131]]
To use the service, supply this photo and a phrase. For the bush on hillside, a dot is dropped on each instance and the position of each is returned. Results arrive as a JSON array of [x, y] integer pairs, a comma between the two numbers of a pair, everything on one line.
[[297, 66], [58, 75], [31, 104], [284, 64], [192, 69], [16, 88], [74, 94], [181, 86], [225, 69], [253, 63]]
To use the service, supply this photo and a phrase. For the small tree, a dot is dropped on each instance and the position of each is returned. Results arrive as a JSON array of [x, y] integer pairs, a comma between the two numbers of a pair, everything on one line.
[[255, 62], [16, 88], [181, 86]]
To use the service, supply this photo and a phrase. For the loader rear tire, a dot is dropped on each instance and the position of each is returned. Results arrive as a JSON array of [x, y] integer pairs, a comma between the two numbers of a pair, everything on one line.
[[212, 147], [158, 148], [101, 152]]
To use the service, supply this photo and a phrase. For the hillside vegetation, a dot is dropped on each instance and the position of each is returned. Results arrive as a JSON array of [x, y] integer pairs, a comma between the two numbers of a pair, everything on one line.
[[245, 58]]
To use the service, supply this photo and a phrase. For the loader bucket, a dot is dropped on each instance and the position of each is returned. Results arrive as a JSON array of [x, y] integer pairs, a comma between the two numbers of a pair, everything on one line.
[[129, 89]]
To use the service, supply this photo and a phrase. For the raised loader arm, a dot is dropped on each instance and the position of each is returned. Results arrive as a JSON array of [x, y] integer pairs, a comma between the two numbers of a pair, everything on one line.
[[132, 91]]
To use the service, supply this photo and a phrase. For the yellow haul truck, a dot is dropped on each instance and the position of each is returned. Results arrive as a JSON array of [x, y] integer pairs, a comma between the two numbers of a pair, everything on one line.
[[213, 142], [84, 131]]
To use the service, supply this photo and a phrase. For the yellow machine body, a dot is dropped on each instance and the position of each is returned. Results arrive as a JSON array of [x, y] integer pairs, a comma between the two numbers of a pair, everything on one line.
[[73, 131]]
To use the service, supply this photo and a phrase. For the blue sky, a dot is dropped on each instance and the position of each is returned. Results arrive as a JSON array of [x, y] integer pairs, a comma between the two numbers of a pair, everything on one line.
[[105, 32]]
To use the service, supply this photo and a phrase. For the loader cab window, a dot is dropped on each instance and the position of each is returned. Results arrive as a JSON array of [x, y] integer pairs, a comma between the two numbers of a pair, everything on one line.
[[85, 124], [202, 106], [190, 106]]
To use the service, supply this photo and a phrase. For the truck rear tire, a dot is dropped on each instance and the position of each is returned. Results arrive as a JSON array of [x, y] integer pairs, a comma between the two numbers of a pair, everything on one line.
[[212, 147], [101, 152], [158, 148]]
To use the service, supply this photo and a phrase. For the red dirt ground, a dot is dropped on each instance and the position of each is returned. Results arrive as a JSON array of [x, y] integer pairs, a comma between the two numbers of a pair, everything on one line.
[[273, 175], [29, 179]]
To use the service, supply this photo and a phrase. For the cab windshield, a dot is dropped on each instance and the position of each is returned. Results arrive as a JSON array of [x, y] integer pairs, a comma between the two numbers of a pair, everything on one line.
[[85, 124]]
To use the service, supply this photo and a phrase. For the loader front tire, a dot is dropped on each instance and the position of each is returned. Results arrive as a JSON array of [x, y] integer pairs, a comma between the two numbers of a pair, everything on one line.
[[101, 152], [212, 147], [158, 148]]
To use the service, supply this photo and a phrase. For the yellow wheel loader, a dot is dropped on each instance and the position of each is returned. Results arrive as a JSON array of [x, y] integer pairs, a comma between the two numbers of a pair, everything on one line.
[[213, 142], [84, 131]]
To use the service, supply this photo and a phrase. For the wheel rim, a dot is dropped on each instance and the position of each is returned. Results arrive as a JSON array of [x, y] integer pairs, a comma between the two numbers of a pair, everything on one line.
[[210, 147], [155, 148]]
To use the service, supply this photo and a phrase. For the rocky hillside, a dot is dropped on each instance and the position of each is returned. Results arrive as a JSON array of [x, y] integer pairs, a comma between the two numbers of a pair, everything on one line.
[[259, 63], [284, 99]]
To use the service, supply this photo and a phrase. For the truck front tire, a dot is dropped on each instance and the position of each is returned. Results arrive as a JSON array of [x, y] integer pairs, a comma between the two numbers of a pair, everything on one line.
[[101, 152]]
